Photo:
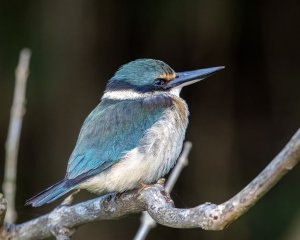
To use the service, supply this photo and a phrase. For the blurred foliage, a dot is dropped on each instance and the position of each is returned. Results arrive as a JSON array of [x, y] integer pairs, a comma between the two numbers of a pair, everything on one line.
[[240, 117]]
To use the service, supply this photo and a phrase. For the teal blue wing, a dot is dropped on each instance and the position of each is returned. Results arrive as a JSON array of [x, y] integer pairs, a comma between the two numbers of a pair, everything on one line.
[[112, 129]]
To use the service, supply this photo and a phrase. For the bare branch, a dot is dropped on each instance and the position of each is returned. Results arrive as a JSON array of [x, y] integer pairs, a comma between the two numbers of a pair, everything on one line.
[[3, 207], [147, 222], [14, 131], [216, 217], [68, 200], [106, 207], [157, 203], [62, 233]]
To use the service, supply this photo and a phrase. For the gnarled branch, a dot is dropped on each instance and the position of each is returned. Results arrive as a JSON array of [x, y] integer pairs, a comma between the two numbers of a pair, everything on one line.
[[14, 132], [159, 205]]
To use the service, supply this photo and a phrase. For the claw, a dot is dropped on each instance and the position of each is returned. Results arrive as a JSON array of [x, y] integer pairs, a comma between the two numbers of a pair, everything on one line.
[[143, 186], [161, 181]]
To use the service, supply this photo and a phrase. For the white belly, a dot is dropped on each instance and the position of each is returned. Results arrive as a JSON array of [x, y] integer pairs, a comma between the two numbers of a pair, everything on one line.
[[156, 155]]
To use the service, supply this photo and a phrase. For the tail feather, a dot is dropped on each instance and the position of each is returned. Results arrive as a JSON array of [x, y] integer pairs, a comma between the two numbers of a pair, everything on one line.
[[50, 194]]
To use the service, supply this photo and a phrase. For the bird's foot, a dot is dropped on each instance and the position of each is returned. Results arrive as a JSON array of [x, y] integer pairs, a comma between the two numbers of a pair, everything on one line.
[[166, 195], [161, 181], [143, 186]]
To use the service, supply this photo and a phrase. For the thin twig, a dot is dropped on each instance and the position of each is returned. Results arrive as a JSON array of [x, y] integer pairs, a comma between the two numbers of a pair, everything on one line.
[[155, 201], [69, 199], [147, 222], [14, 131]]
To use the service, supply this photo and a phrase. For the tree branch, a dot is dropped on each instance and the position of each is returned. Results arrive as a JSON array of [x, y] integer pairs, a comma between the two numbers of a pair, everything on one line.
[[14, 132], [158, 204], [3, 207]]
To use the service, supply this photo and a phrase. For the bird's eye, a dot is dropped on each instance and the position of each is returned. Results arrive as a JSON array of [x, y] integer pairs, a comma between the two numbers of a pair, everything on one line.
[[159, 82]]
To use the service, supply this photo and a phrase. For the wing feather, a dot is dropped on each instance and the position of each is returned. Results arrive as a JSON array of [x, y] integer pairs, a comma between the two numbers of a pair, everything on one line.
[[112, 129]]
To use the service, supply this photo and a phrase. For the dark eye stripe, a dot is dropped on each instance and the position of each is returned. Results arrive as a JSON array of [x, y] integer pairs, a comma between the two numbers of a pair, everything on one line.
[[159, 82]]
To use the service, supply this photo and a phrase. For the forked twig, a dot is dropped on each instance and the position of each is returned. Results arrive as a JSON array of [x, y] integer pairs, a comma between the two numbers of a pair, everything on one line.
[[14, 132]]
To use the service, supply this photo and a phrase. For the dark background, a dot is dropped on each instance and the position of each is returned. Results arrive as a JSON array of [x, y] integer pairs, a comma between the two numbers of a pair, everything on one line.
[[240, 118]]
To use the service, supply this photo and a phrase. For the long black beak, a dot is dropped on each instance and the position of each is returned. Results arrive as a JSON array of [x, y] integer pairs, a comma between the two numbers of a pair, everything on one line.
[[189, 77]]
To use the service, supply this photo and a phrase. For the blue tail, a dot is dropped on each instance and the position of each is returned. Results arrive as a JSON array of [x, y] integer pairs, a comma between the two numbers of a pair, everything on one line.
[[50, 194]]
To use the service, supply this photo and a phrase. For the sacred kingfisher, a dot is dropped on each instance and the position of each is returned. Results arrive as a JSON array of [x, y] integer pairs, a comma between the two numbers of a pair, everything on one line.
[[135, 134]]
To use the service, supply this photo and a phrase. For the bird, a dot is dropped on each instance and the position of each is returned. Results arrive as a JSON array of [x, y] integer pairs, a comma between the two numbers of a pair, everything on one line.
[[134, 135]]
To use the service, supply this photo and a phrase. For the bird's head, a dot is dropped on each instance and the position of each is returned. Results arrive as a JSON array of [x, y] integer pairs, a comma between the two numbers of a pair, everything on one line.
[[144, 76]]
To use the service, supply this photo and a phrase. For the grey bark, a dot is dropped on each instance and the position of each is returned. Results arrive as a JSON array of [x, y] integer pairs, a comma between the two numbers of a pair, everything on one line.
[[156, 201]]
